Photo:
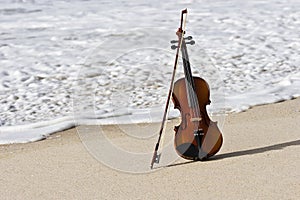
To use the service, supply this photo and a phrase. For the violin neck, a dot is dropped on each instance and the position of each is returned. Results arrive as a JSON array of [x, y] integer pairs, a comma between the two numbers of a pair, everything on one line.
[[190, 84], [186, 64]]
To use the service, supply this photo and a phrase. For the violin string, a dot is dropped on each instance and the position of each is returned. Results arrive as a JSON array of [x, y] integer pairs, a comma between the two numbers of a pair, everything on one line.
[[190, 84]]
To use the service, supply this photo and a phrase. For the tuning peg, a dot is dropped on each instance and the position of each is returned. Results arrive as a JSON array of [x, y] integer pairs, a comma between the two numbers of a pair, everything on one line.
[[186, 38], [192, 42], [174, 47]]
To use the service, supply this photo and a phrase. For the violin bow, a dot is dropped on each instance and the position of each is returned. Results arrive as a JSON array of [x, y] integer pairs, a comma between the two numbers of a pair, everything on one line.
[[180, 32]]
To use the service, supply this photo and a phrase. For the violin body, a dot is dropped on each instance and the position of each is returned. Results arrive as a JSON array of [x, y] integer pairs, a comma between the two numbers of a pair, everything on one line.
[[196, 138]]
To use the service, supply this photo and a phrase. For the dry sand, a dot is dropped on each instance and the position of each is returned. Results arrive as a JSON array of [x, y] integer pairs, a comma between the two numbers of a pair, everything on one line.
[[260, 159]]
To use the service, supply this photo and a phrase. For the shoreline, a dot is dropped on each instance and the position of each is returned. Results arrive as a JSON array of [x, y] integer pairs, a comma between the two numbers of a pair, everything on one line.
[[259, 159]]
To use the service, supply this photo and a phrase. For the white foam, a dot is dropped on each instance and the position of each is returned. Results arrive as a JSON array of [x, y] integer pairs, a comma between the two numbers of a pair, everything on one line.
[[286, 89], [63, 65], [41, 130], [35, 131]]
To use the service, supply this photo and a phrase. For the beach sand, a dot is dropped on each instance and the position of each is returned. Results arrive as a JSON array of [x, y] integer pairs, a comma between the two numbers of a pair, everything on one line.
[[259, 159]]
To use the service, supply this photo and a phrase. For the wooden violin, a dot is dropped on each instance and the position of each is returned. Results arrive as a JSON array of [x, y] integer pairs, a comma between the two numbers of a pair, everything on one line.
[[197, 137]]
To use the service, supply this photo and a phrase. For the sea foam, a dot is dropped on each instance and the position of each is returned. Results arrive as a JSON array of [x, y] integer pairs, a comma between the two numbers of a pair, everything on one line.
[[68, 63]]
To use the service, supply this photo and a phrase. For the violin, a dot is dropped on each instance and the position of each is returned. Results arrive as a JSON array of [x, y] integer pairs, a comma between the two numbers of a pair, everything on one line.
[[197, 137]]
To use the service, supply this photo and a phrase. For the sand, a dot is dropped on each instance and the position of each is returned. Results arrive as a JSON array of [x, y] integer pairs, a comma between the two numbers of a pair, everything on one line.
[[260, 159]]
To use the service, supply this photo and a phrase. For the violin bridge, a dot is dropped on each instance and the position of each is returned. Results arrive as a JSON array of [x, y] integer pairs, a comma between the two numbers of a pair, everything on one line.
[[196, 119]]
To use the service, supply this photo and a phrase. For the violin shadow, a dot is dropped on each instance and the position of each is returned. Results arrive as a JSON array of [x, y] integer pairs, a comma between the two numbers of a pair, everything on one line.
[[256, 150], [245, 152]]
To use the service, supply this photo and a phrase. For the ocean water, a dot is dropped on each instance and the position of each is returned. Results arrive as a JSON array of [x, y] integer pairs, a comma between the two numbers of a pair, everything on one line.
[[65, 63]]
